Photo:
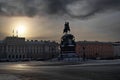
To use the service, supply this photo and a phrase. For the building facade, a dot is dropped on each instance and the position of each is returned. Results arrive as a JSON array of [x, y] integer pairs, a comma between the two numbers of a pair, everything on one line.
[[95, 50], [17, 48], [116, 49]]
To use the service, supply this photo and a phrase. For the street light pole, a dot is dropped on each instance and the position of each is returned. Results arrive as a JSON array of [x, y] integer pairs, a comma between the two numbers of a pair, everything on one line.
[[84, 56]]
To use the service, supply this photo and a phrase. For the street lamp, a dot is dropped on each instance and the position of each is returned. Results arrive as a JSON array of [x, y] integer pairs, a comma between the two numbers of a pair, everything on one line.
[[84, 56]]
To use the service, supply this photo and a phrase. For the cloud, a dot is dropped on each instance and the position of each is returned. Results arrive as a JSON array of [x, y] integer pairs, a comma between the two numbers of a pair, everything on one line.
[[89, 8], [57, 6], [71, 8], [2, 35]]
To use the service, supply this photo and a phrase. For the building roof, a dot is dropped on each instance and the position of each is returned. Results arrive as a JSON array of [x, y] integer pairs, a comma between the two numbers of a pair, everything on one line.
[[93, 42]]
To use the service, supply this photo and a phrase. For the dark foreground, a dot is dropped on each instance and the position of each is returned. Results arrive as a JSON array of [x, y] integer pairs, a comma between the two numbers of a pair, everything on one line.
[[58, 71]]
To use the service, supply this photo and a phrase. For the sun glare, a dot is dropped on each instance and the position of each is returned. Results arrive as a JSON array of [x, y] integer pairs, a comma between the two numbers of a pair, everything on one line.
[[21, 30], [20, 27]]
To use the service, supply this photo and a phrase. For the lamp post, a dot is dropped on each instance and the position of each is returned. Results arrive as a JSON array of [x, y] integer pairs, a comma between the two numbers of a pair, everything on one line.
[[84, 56]]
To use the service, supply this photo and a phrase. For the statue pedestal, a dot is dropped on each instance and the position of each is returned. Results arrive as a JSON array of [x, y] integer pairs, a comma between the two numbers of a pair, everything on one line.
[[67, 47], [69, 57]]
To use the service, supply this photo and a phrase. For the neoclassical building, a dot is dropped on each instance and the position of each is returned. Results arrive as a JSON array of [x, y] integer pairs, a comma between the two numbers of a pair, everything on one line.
[[95, 49], [116, 49], [17, 48]]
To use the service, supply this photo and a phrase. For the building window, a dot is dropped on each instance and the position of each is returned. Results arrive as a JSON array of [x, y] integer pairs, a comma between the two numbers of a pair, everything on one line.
[[23, 56], [16, 56], [19, 56], [13, 56], [9, 56]]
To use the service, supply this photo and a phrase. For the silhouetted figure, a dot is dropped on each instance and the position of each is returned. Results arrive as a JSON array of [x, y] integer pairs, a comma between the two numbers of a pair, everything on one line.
[[67, 28]]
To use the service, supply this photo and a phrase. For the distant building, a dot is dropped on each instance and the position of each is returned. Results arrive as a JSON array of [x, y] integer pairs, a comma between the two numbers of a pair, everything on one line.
[[95, 49], [17, 48], [116, 49]]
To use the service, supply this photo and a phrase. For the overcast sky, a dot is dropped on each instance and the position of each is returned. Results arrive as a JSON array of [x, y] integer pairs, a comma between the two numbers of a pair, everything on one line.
[[96, 20]]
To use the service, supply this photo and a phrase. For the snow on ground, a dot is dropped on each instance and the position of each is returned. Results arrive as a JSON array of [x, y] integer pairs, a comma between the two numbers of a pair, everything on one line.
[[81, 62], [100, 62], [115, 61], [8, 77]]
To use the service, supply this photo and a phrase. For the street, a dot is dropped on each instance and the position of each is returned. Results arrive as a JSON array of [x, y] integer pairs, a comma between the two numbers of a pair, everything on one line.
[[37, 70]]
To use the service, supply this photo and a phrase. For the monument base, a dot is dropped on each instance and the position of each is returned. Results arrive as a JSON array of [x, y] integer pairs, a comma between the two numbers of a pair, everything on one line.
[[72, 57], [67, 57]]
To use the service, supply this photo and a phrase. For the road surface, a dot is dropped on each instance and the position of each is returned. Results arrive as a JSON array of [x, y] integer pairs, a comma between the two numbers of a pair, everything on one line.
[[59, 71]]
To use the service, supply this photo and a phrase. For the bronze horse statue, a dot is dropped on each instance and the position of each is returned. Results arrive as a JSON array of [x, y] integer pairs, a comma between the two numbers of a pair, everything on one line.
[[66, 28]]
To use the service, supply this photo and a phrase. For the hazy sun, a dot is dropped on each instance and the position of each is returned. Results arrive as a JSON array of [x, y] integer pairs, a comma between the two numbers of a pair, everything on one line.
[[20, 27], [21, 30]]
